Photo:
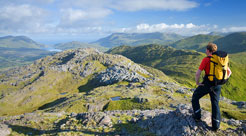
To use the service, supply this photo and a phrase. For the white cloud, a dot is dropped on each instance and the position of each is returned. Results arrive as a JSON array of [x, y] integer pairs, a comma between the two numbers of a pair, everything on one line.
[[190, 25], [21, 17], [183, 29], [73, 15], [136, 5], [234, 29], [77, 18]]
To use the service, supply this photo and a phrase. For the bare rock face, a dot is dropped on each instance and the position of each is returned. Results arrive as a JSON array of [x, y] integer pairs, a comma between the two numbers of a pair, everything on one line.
[[4, 130], [116, 74]]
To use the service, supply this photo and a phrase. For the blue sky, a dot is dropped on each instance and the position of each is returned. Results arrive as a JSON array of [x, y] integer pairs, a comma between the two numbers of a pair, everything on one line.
[[54, 21]]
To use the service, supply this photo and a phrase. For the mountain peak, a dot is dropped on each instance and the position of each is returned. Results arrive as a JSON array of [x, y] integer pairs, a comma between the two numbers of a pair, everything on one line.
[[18, 42]]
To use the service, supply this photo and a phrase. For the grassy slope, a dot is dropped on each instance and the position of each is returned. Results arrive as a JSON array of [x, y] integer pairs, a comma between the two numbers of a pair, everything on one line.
[[232, 43], [197, 42], [236, 88], [181, 65]]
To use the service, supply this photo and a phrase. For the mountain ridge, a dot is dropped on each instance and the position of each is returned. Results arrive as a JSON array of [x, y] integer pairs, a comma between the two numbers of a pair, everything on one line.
[[232, 43], [197, 42], [134, 39]]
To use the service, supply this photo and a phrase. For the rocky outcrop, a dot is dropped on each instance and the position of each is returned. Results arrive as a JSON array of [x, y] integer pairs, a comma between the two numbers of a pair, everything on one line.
[[161, 122], [117, 74]]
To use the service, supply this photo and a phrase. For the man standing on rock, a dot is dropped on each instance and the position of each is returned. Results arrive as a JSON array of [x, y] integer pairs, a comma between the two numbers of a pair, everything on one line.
[[206, 87]]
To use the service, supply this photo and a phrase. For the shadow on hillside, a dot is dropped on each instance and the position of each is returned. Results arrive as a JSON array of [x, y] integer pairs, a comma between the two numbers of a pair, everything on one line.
[[51, 104], [65, 59], [90, 85], [163, 124]]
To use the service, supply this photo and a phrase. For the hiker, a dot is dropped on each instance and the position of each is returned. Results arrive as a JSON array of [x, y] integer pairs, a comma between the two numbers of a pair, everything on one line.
[[208, 87]]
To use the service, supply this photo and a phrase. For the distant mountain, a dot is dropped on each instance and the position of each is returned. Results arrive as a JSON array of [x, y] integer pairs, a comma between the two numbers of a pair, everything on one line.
[[76, 44], [232, 43], [182, 65], [219, 33], [19, 42], [197, 42], [133, 39]]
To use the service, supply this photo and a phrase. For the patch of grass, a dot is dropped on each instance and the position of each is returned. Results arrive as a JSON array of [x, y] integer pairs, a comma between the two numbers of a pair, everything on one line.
[[123, 83], [142, 74], [77, 107], [225, 126]]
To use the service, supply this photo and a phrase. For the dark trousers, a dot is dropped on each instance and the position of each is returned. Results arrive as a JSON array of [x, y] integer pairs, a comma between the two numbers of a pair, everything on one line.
[[214, 92]]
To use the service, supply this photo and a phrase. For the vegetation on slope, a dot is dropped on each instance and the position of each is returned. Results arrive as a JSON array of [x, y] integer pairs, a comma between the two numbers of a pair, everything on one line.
[[197, 42], [232, 43]]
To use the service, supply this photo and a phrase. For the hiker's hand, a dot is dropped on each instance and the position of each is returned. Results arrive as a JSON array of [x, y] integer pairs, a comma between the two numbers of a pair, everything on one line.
[[199, 84]]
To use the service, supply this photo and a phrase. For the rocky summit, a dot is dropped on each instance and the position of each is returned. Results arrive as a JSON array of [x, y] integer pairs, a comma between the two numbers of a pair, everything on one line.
[[87, 92]]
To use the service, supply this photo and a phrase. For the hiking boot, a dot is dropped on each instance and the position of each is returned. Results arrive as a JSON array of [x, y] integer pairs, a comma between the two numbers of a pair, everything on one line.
[[196, 119], [213, 129]]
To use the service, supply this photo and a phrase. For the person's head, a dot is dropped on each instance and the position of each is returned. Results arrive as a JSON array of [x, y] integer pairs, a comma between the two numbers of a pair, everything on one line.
[[211, 47]]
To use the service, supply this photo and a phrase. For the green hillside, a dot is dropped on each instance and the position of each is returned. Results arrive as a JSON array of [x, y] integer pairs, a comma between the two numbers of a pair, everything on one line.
[[19, 42], [12, 57], [133, 39], [197, 42], [232, 43], [75, 45], [182, 65], [236, 88]]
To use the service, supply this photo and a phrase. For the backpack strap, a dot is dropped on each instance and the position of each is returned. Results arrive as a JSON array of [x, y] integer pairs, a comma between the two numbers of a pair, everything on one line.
[[215, 63], [209, 62]]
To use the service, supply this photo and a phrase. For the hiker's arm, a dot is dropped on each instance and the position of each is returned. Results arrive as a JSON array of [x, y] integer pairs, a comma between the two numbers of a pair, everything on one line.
[[198, 73], [229, 72]]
